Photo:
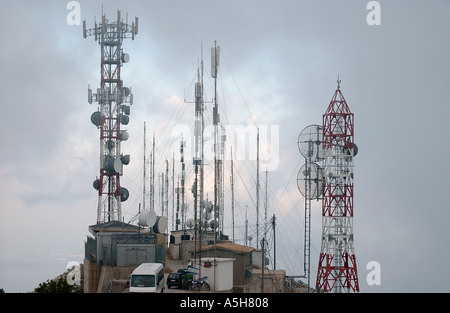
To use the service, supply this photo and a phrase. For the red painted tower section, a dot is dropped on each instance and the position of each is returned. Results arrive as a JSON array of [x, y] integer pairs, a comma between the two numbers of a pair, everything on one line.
[[337, 271], [114, 100]]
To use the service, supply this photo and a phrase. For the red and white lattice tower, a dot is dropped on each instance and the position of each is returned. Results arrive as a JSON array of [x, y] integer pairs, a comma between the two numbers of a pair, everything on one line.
[[113, 110], [337, 262]]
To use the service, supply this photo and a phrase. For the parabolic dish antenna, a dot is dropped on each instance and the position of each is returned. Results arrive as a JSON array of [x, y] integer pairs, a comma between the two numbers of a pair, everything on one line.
[[310, 143], [310, 181], [190, 223], [147, 218], [160, 224]]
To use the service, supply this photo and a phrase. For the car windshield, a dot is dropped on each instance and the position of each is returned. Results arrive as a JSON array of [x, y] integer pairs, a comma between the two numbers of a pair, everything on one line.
[[143, 281]]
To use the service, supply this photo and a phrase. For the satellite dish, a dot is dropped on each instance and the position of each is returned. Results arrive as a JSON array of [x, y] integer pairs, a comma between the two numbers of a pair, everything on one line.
[[351, 149], [310, 143], [124, 119], [206, 215], [190, 223], [142, 218], [114, 165], [125, 57], [213, 224], [125, 159], [310, 181], [126, 109], [124, 135], [160, 224], [208, 206], [96, 184], [147, 218], [124, 194], [95, 118]]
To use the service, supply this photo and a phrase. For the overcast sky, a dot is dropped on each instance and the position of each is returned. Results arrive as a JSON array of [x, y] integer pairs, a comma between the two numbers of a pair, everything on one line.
[[279, 65]]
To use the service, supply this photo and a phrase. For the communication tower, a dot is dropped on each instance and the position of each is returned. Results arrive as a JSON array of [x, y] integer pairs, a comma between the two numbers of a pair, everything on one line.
[[337, 270], [114, 100]]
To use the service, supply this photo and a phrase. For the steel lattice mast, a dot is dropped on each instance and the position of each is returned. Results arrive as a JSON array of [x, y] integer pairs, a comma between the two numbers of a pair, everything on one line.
[[337, 270], [111, 97]]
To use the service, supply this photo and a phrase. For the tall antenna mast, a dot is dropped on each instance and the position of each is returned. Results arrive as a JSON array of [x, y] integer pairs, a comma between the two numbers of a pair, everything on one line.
[[183, 206], [337, 269], [111, 97], [215, 54]]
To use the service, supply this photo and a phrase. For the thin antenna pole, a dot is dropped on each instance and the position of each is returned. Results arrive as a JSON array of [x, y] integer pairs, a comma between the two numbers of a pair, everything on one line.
[[152, 178], [143, 191], [167, 189], [173, 189], [215, 122], [183, 207], [162, 193], [257, 189], [178, 207], [265, 209], [232, 190], [202, 177], [246, 226], [274, 244]]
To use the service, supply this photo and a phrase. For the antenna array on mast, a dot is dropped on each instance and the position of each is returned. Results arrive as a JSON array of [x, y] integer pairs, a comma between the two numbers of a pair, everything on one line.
[[114, 100]]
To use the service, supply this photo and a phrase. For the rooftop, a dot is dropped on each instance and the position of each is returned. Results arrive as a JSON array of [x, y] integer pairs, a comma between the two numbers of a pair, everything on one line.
[[114, 226], [228, 245]]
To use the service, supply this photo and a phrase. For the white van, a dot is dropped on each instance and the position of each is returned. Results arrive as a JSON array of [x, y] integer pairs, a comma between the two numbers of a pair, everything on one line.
[[147, 277]]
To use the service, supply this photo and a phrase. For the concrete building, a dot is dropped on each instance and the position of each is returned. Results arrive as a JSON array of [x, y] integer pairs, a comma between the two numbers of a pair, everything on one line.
[[273, 281], [115, 250], [182, 242], [242, 255]]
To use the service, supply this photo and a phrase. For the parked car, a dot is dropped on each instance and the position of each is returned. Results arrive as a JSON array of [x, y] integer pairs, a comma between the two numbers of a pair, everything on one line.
[[186, 280], [174, 279], [181, 279]]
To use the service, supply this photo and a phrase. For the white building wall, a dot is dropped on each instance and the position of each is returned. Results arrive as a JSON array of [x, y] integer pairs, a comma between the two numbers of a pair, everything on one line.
[[220, 273]]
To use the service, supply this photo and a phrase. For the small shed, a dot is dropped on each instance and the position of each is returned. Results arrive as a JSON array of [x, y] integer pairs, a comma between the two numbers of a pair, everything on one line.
[[242, 256], [219, 272]]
